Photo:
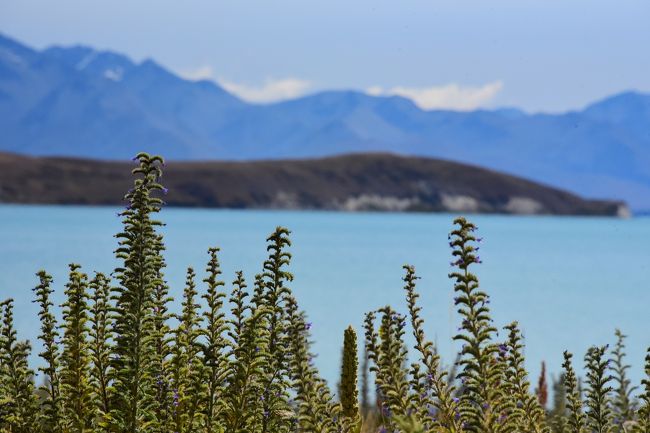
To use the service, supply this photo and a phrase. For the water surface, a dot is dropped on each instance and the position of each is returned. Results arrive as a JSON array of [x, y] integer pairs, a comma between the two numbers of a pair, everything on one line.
[[569, 281]]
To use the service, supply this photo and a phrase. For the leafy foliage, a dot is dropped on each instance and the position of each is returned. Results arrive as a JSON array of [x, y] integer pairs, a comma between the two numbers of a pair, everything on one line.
[[239, 359]]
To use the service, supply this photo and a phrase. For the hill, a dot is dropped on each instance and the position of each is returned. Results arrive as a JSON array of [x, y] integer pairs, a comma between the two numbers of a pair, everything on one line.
[[76, 101], [380, 182]]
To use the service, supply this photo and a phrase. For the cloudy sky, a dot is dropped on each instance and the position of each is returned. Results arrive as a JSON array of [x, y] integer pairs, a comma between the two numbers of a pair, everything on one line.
[[540, 55]]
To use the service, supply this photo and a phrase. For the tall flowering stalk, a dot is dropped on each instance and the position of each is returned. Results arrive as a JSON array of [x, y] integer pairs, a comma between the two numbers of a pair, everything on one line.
[[187, 366], [433, 393], [276, 381], [100, 338], [76, 390], [542, 387], [349, 389], [576, 417], [18, 406], [599, 412], [482, 399], [388, 354], [316, 410], [161, 338], [51, 404], [133, 398], [525, 414], [214, 344], [622, 402], [248, 338]]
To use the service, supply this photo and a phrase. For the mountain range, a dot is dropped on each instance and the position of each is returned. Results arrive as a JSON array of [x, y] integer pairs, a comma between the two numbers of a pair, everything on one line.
[[77, 101]]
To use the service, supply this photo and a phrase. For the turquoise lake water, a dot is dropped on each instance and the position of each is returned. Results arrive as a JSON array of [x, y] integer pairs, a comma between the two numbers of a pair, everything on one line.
[[569, 281]]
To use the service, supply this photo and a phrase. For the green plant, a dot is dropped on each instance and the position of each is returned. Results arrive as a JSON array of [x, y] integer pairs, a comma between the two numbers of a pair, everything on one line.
[[51, 404], [644, 411], [76, 391], [349, 392], [18, 406], [119, 361], [525, 413], [576, 417], [622, 405], [599, 412], [100, 337], [133, 400]]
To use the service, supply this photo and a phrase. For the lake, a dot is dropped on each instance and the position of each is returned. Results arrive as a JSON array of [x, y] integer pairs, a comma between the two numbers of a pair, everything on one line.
[[569, 281]]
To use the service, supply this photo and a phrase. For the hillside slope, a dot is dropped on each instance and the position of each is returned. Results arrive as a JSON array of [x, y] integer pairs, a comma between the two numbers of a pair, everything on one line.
[[349, 182]]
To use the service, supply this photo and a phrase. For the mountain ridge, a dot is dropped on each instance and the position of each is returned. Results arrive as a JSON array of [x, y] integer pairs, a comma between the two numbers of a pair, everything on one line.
[[109, 107], [353, 182]]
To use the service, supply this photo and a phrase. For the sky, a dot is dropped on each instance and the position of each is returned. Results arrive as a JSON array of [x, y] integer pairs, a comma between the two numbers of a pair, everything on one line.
[[538, 55]]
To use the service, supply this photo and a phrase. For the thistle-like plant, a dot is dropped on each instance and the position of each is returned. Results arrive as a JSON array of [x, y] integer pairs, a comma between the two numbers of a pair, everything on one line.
[[161, 338], [482, 400], [348, 388], [51, 404], [100, 337], [644, 411], [76, 390], [576, 416], [133, 401], [247, 334], [599, 412], [276, 380], [433, 394], [214, 344], [18, 406], [187, 366], [316, 410], [622, 402], [388, 355], [365, 384], [525, 414]]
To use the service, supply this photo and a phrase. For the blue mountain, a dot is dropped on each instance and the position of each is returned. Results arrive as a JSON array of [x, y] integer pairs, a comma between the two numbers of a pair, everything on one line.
[[77, 101]]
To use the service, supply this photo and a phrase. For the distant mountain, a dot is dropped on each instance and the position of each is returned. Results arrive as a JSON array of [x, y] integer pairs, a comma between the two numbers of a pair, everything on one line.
[[81, 102], [358, 182]]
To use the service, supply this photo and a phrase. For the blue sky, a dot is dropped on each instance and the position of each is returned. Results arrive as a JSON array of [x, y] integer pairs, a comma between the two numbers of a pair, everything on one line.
[[540, 55]]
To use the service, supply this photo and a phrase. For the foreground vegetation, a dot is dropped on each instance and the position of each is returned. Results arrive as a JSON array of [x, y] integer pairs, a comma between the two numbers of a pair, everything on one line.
[[238, 359]]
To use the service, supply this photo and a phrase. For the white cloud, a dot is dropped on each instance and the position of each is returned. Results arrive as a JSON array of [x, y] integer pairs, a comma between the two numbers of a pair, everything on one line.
[[450, 96], [201, 73], [270, 91]]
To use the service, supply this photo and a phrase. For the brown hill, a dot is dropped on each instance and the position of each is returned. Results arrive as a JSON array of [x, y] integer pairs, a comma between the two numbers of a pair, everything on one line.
[[349, 182]]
